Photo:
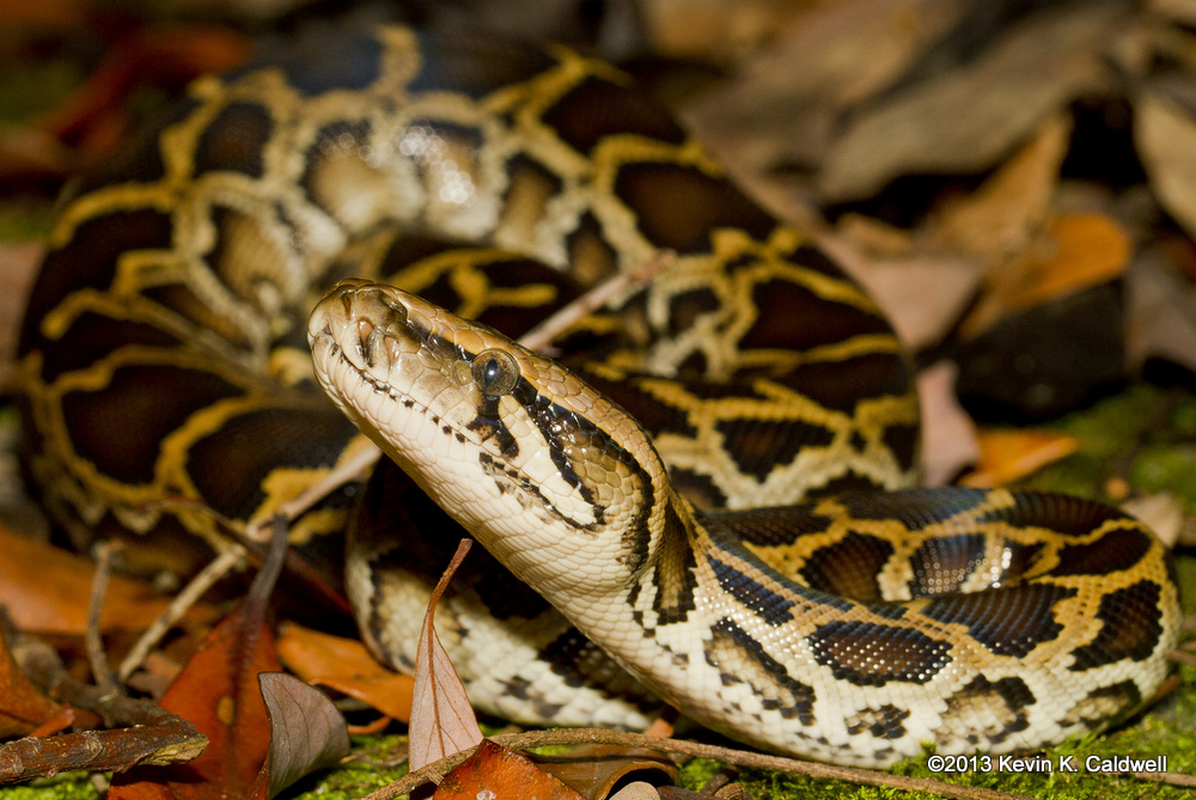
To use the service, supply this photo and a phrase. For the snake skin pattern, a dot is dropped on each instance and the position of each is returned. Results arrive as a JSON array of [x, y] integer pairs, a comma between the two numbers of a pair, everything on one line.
[[169, 398]]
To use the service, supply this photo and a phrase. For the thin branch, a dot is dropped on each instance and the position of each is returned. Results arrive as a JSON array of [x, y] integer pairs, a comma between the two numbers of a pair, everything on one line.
[[92, 637], [1172, 778], [153, 736], [540, 337], [216, 569]]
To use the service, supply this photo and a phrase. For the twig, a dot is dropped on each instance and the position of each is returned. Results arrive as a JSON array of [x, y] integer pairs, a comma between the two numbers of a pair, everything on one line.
[[92, 637], [540, 337], [1172, 778], [357, 466], [216, 569], [155, 736], [742, 758], [1180, 657]]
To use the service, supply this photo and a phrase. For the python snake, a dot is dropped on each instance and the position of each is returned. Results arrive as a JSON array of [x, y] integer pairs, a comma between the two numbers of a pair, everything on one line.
[[169, 397]]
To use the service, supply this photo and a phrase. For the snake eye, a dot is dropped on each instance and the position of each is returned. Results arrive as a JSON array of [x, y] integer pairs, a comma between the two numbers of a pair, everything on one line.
[[496, 372]]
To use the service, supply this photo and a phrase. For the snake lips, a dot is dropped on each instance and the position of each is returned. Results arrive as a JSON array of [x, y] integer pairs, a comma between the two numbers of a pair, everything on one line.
[[1013, 635]]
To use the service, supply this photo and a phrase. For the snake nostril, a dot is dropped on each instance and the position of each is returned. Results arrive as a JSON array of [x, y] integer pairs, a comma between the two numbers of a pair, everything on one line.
[[365, 329]]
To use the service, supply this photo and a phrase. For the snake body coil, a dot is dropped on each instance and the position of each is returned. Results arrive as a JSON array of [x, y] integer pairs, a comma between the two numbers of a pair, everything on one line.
[[169, 396]]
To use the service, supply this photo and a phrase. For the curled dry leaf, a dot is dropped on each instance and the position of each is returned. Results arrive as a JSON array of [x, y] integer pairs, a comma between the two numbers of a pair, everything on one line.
[[306, 731], [495, 772], [595, 769], [346, 666], [442, 720]]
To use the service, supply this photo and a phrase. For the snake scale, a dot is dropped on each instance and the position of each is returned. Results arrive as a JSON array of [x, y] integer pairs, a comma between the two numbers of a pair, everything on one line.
[[744, 546]]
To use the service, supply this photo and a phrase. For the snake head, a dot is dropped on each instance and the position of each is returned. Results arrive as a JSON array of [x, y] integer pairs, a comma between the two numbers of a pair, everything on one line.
[[529, 458]]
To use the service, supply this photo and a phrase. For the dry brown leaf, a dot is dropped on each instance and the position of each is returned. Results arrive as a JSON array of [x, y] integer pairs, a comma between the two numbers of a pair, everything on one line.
[[1165, 133], [218, 692], [307, 733], [595, 769], [968, 118], [1009, 455], [500, 774], [346, 666], [948, 434], [442, 720], [1003, 214], [1075, 252], [786, 105], [1160, 311]]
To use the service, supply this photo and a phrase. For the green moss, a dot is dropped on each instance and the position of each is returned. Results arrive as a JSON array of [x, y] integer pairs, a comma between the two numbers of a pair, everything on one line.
[[1146, 435], [365, 773], [67, 786]]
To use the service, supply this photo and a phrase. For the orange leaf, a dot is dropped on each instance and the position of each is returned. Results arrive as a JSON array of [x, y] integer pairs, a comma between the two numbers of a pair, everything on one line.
[[1008, 455], [1075, 252], [500, 774], [442, 720], [346, 666], [47, 590], [218, 692]]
